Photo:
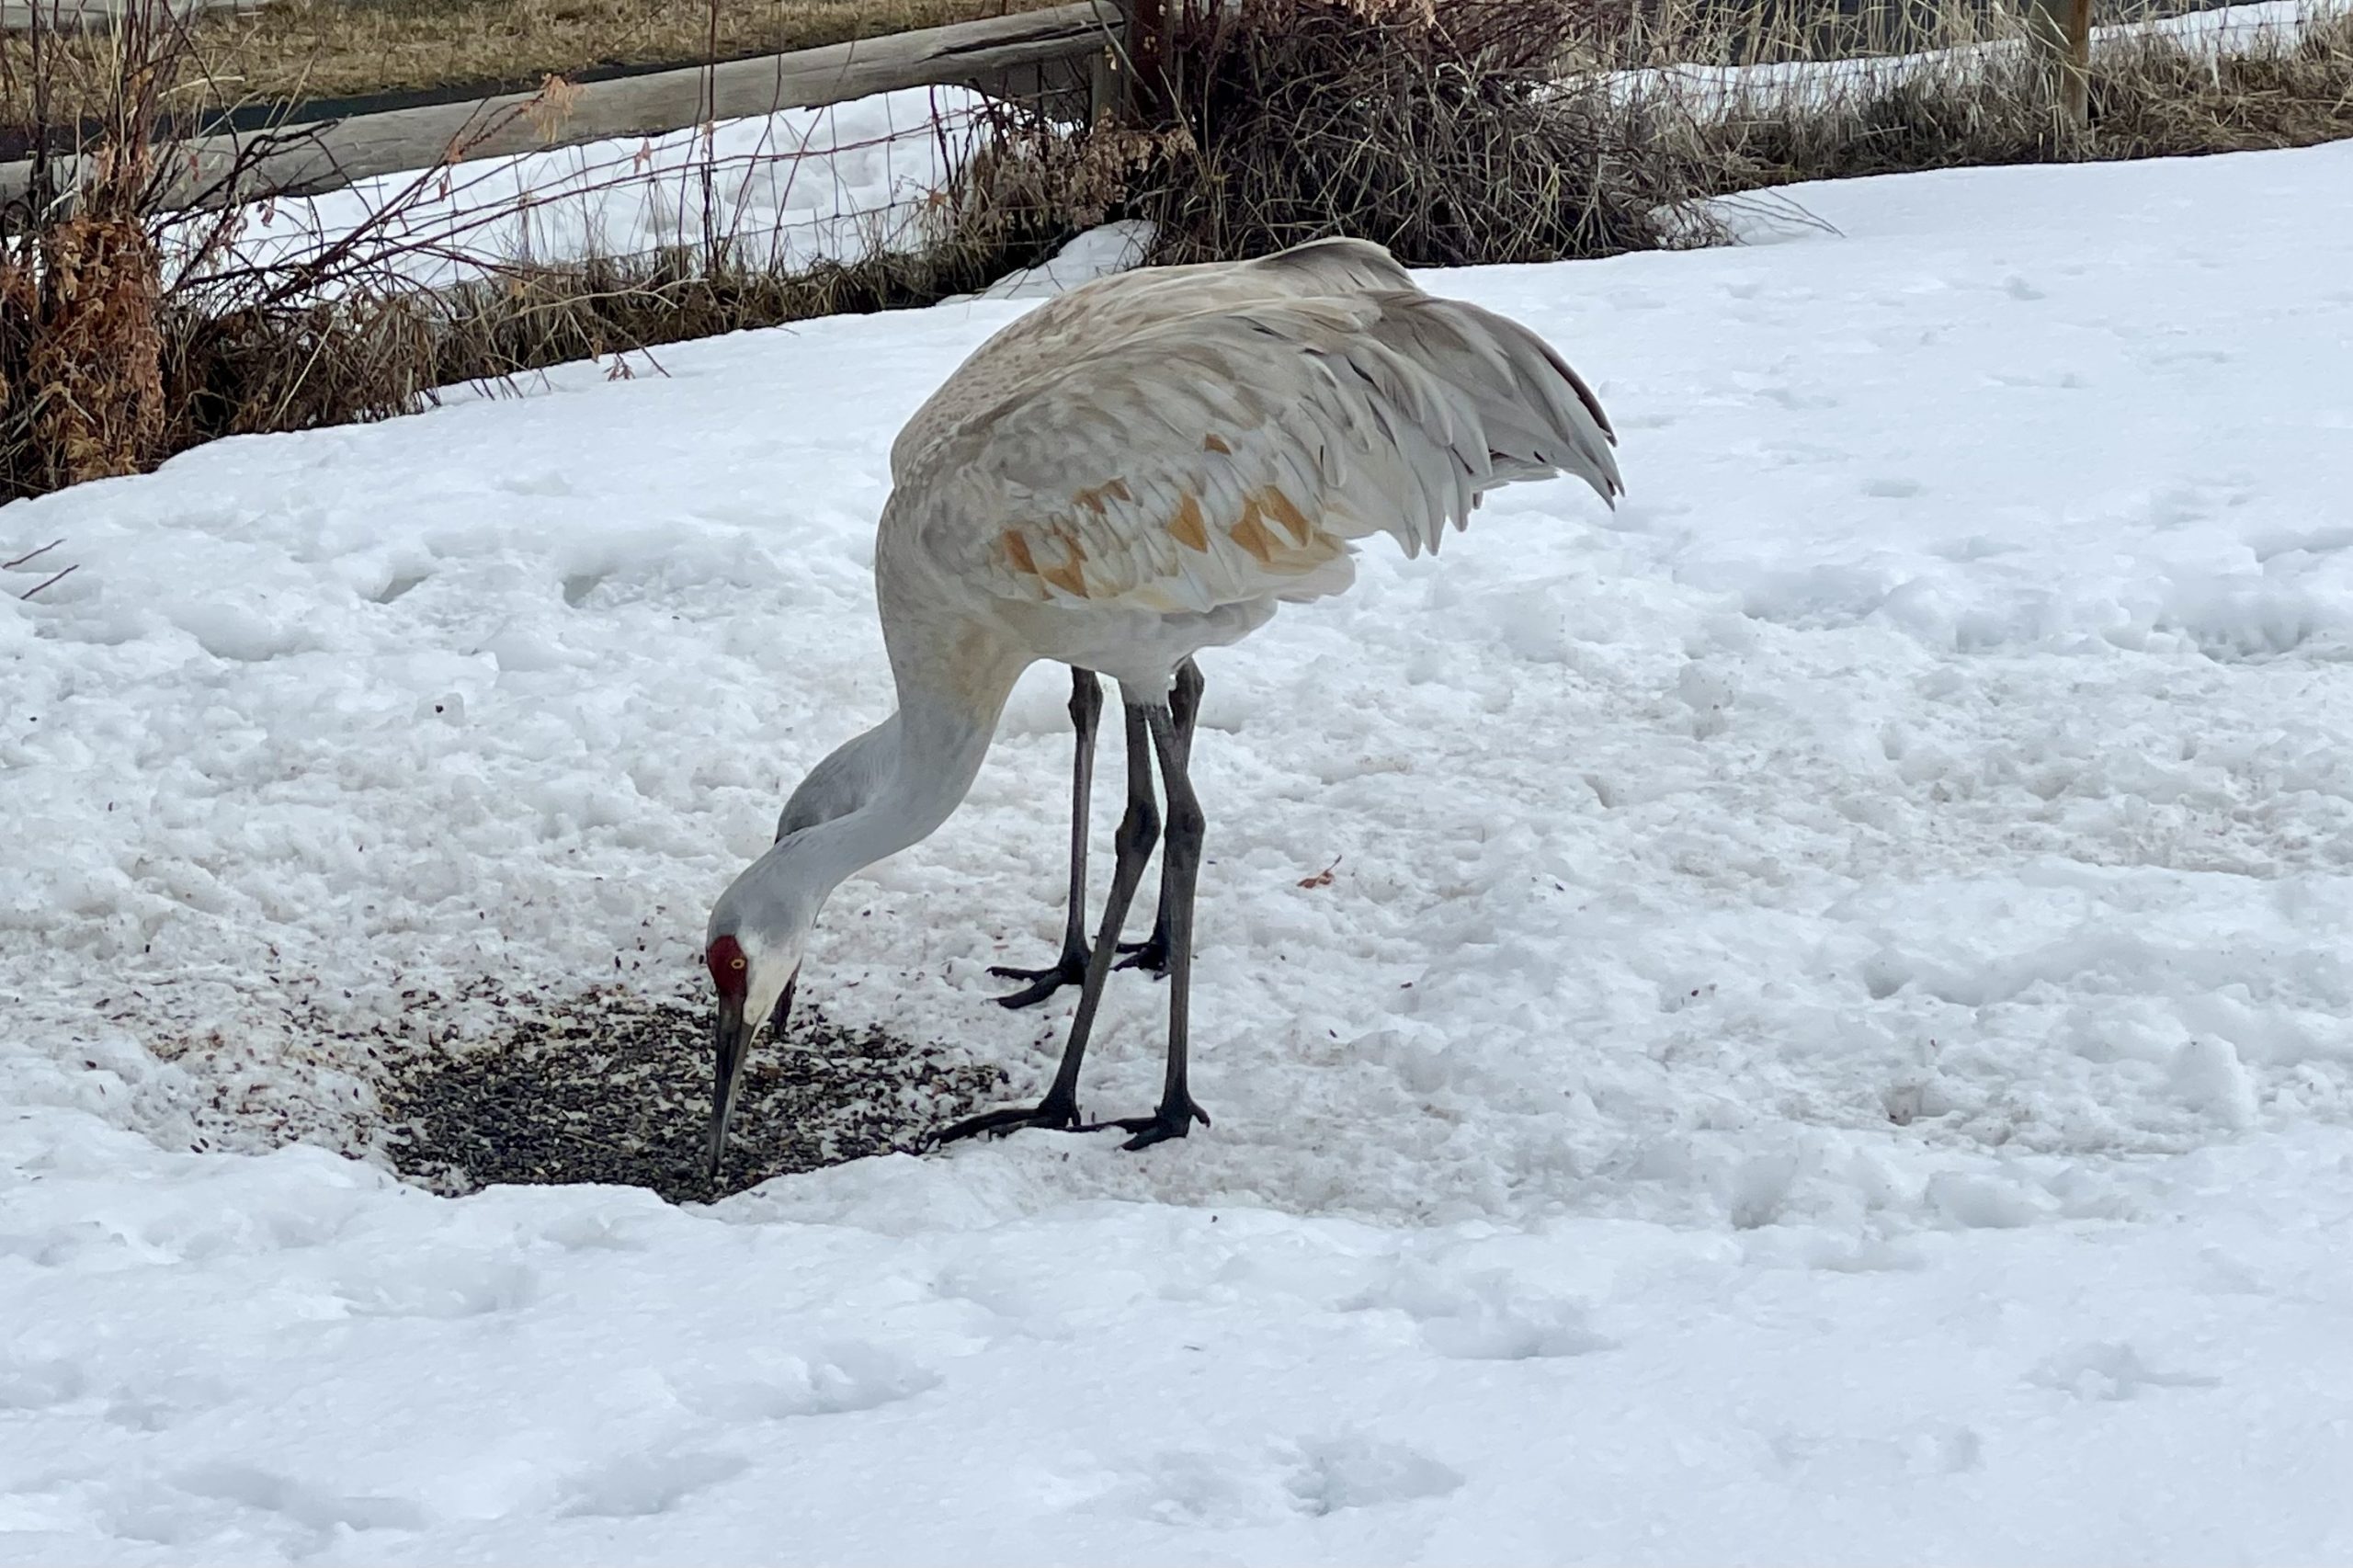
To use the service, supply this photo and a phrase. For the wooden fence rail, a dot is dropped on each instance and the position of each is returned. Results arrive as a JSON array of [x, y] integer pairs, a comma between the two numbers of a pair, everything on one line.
[[88, 15], [1072, 50]]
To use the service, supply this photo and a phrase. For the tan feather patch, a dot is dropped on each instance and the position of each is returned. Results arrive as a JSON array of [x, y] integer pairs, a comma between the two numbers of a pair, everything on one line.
[[1291, 517], [1252, 535], [1188, 527], [1092, 497], [1016, 550], [1215, 443], [1069, 576]]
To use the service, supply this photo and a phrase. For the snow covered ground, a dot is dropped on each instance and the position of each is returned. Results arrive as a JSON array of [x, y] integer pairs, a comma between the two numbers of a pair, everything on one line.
[[795, 188], [1827, 1040], [1097, 253]]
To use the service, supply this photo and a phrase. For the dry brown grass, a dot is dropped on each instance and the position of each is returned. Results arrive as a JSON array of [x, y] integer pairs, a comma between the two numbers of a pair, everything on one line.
[[82, 393], [1447, 133], [334, 49], [1486, 131], [1983, 100], [376, 355]]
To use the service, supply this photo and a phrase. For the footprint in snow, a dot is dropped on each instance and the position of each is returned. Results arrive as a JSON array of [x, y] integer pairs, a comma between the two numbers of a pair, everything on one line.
[[1365, 1472], [1221, 1489], [1845, 1458], [649, 1483], [2108, 1371], [2320, 541], [618, 1232], [1200, 1489], [836, 1381], [1519, 1331], [39, 1384], [304, 1516], [546, 482], [1799, 454], [456, 1290], [153, 1406], [1486, 1317]]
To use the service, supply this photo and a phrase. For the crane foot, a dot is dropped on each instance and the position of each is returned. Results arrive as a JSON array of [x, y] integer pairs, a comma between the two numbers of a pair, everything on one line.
[[1150, 955], [1055, 1116], [1168, 1121], [1039, 983]]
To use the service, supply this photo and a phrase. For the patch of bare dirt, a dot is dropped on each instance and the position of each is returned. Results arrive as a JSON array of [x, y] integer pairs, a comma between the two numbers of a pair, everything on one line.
[[614, 1086]]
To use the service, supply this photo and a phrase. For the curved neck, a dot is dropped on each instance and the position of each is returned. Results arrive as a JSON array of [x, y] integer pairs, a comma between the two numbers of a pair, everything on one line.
[[910, 774], [920, 765]]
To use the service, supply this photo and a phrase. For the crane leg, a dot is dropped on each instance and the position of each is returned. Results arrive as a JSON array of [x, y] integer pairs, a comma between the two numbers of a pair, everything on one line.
[[1180, 871], [1085, 713], [1184, 707], [1139, 828]]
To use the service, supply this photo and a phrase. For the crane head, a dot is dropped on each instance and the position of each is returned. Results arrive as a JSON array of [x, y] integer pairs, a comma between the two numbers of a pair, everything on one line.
[[755, 979]]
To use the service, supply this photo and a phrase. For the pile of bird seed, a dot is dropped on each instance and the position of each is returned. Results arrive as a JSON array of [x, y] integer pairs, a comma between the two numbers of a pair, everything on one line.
[[614, 1086]]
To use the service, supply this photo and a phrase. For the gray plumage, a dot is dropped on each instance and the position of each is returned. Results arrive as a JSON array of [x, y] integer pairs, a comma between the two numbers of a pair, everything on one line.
[[1142, 468]]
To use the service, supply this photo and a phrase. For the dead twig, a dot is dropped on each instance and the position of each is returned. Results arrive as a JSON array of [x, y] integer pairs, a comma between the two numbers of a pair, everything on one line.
[[49, 583]]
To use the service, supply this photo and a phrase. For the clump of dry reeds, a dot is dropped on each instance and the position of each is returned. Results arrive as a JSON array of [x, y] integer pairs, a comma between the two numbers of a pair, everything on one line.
[[1452, 134], [81, 382]]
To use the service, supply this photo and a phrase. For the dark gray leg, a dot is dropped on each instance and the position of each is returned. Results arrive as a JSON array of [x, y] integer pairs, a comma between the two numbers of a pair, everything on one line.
[[1085, 710], [1139, 828], [1184, 707], [1180, 871]]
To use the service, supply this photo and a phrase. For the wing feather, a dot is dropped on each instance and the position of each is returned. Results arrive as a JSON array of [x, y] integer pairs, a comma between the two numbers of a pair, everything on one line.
[[1048, 338], [1235, 454]]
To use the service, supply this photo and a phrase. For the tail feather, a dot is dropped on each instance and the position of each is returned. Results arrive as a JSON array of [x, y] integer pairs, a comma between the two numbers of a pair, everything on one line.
[[1536, 416]]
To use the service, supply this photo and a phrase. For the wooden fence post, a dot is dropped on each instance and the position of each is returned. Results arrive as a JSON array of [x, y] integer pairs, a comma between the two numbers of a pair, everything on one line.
[[2075, 96], [1149, 100], [2061, 30], [1105, 76]]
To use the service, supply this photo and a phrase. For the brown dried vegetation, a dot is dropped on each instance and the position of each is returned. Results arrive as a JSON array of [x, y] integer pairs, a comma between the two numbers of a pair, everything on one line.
[[1471, 131], [1499, 131]]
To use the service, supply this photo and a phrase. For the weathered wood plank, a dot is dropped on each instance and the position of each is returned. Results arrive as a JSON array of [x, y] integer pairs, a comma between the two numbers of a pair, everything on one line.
[[91, 16], [978, 53], [2063, 29]]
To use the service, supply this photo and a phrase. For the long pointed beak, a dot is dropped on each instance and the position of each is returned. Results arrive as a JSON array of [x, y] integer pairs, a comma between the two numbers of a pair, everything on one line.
[[730, 1038], [731, 1041]]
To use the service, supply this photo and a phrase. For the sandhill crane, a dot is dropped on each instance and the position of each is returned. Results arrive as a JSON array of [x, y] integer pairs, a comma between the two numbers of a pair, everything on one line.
[[1142, 468], [1039, 342]]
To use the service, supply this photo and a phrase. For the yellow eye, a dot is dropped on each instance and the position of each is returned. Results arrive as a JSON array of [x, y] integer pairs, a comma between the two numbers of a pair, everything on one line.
[[736, 963]]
